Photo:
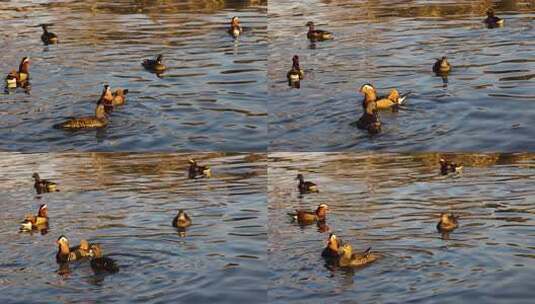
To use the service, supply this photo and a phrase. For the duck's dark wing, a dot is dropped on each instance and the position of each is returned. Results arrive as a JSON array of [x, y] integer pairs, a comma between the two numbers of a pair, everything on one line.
[[104, 264]]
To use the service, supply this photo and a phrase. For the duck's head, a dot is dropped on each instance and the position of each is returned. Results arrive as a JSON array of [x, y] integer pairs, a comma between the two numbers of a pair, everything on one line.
[[106, 93], [43, 210], [322, 209], [367, 89], [182, 215], [447, 218], [84, 245], [44, 27], [36, 176], [63, 241], [490, 12], [235, 21], [346, 249], [300, 177], [333, 242], [159, 58], [24, 64], [310, 24], [444, 61], [121, 92]]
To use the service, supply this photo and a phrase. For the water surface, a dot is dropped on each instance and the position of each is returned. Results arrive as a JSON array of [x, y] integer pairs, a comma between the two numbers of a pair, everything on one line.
[[391, 202], [212, 97], [126, 202], [487, 103]]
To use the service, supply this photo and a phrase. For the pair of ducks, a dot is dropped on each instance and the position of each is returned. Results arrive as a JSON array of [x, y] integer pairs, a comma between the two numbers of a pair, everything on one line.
[[106, 103], [492, 21], [85, 251], [39, 221], [296, 73], [372, 104], [341, 254]]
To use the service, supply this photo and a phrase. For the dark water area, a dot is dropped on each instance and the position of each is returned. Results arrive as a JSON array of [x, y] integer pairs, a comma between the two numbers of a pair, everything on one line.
[[487, 103], [212, 97], [392, 203], [126, 202]]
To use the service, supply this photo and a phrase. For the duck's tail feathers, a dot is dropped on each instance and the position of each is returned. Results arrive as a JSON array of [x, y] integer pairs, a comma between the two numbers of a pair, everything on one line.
[[367, 251], [292, 215], [403, 97]]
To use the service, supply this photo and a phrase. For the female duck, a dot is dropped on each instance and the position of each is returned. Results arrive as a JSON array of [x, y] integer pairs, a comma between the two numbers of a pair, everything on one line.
[[448, 222], [370, 118], [181, 220], [235, 28], [21, 77], [317, 35], [32, 222], [296, 73], [43, 185], [449, 167], [350, 259], [197, 171], [442, 66], [102, 264], [48, 37], [492, 21], [305, 186], [100, 119], [66, 254], [154, 65], [304, 217]]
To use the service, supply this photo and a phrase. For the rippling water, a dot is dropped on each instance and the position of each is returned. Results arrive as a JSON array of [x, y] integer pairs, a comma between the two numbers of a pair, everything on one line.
[[487, 103], [126, 202], [212, 97], [391, 202]]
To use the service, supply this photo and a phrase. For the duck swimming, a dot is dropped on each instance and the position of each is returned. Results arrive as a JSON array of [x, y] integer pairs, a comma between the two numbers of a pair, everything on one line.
[[305, 186], [448, 222], [119, 97], [304, 217], [392, 101], [35, 222], [102, 264], [66, 254], [235, 28], [48, 37], [331, 251], [19, 78], [296, 73], [370, 119], [100, 119], [350, 259], [154, 65], [196, 171], [449, 167], [492, 21], [317, 35], [43, 185], [181, 220], [110, 101], [442, 66]]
